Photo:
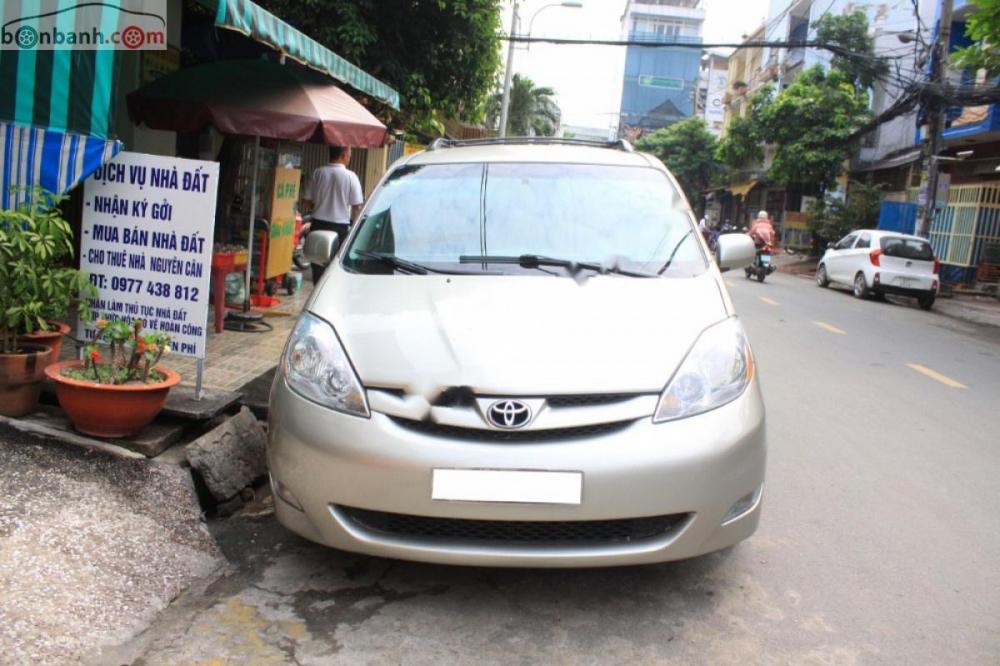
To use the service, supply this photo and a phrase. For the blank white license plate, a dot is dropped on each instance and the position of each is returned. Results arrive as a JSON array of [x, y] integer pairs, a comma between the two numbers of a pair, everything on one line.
[[904, 282], [496, 485]]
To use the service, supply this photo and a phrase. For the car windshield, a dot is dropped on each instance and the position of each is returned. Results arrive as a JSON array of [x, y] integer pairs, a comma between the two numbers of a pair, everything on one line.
[[626, 218], [907, 248]]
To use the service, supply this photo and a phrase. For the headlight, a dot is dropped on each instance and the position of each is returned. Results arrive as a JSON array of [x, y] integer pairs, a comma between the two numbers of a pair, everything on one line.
[[716, 371], [316, 367]]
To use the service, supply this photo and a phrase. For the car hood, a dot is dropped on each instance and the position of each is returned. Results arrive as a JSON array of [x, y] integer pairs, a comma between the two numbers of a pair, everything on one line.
[[516, 334]]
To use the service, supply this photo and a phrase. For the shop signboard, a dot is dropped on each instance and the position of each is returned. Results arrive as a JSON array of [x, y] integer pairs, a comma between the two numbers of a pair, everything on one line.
[[281, 238], [665, 82], [148, 225]]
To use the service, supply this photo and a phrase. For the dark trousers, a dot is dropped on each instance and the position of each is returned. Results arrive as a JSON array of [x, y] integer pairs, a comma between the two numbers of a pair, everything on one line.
[[323, 225]]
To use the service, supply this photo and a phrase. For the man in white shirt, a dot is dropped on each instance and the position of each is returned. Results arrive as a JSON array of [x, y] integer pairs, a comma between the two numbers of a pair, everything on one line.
[[335, 197]]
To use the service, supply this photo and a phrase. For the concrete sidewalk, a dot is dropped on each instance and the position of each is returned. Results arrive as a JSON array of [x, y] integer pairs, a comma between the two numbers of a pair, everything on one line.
[[976, 309], [92, 548]]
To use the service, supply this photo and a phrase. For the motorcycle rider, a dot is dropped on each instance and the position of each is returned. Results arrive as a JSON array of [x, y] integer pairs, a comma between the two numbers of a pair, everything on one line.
[[762, 231]]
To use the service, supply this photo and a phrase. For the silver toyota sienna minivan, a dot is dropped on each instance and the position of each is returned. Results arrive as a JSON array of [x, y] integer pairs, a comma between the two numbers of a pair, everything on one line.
[[521, 355]]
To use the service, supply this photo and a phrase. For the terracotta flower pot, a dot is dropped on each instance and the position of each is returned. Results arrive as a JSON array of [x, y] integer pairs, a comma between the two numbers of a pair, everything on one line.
[[53, 338], [21, 378], [109, 410]]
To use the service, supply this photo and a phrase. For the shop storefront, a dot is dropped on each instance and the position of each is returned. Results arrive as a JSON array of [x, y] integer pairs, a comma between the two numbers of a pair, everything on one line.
[[67, 117]]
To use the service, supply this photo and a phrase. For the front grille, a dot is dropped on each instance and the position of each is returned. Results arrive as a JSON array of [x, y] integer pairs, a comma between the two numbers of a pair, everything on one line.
[[577, 532], [589, 399], [509, 436]]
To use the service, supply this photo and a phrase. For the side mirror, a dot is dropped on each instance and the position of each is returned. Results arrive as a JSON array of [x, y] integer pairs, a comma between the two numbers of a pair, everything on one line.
[[830, 246], [320, 246], [735, 251]]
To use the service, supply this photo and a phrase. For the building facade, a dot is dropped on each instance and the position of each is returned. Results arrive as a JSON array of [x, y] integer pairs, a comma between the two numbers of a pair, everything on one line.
[[660, 85]]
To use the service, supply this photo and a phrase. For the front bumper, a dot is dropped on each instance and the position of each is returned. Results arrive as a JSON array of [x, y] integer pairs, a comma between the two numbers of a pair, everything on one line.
[[699, 467]]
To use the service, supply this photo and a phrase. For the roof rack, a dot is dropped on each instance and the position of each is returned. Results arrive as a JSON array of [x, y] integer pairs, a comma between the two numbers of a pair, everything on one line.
[[618, 144]]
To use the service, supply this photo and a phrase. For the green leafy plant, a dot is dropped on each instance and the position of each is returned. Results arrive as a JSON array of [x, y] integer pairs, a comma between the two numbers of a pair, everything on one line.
[[36, 285], [831, 218], [532, 110], [983, 28], [810, 124], [131, 355], [688, 149], [442, 56], [856, 57]]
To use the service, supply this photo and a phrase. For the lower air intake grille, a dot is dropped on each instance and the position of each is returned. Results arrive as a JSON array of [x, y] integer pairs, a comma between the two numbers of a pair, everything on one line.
[[530, 436], [578, 532]]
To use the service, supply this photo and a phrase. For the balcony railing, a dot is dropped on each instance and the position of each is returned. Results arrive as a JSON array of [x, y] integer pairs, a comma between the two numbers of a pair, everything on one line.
[[658, 38]]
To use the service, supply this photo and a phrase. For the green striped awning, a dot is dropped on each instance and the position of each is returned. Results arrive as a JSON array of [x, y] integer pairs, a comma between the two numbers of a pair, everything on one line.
[[65, 91], [259, 24]]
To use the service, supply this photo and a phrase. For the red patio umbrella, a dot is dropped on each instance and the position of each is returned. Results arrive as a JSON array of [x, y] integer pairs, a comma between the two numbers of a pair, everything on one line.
[[258, 98]]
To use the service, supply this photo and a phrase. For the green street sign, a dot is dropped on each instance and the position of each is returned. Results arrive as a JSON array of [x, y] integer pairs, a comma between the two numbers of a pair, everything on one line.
[[667, 83]]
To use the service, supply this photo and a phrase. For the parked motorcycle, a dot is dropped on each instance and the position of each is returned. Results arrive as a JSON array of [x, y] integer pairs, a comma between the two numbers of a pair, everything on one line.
[[762, 266]]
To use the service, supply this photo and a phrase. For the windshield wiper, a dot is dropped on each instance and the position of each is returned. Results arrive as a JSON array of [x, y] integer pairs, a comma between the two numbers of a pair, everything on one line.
[[399, 263], [673, 253], [537, 261]]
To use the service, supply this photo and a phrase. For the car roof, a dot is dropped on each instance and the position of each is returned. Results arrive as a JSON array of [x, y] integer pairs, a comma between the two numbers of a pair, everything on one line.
[[881, 233], [599, 154]]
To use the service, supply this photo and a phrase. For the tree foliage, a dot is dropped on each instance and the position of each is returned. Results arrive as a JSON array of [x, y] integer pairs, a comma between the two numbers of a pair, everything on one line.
[[688, 149], [743, 143], [833, 217], [441, 55], [809, 124], [983, 28], [532, 111], [850, 32]]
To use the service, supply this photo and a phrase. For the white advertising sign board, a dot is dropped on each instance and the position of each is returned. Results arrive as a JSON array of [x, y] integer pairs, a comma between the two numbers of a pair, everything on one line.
[[714, 107], [148, 225]]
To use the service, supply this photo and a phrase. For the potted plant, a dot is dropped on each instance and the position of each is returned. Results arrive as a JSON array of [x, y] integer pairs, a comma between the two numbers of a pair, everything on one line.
[[35, 243], [117, 392]]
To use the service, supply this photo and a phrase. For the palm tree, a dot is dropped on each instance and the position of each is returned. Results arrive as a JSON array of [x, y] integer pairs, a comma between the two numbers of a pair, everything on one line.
[[532, 110]]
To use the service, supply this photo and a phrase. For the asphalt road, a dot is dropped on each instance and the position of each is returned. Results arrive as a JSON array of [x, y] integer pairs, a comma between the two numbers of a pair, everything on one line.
[[879, 543]]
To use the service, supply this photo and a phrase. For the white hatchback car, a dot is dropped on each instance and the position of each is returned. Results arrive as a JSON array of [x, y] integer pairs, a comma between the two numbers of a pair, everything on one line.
[[878, 262]]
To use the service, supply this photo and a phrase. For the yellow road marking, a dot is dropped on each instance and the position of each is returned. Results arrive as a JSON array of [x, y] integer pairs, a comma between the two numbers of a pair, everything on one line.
[[828, 327], [768, 300], [936, 376]]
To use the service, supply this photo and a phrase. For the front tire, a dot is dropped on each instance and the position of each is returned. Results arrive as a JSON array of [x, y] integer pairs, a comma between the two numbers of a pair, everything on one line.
[[822, 279], [926, 302], [860, 286], [761, 274]]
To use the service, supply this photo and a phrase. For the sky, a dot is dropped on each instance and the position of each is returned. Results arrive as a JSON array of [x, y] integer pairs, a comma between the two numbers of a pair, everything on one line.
[[587, 79]]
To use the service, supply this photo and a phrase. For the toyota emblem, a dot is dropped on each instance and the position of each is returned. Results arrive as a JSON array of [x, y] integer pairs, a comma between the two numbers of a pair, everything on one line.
[[509, 414]]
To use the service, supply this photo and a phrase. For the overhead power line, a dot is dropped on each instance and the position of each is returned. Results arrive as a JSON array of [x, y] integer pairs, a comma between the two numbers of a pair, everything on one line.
[[778, 44]]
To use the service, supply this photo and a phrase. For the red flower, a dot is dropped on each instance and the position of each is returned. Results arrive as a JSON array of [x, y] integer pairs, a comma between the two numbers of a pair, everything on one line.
[[140, 346], [95, 355]]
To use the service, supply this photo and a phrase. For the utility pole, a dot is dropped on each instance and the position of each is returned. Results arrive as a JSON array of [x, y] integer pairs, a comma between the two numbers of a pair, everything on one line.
[[505, 98], [936, 108]]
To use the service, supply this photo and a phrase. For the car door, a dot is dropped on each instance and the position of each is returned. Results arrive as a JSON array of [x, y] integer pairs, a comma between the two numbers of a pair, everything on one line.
[[837, 256], [857, 257]]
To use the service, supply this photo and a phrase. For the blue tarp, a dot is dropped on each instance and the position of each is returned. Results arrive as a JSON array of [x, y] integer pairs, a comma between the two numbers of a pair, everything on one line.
[[897, 216], [55, 161]]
